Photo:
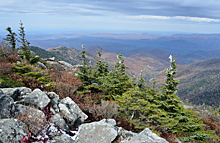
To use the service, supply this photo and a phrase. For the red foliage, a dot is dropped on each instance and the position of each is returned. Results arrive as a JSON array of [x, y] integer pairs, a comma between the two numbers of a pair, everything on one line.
[[211, 125], [5, 64], [124, 123], [47, 111], [97, 112], [66, 83], [5, 68], [13, 58], [32, 83], [27, 139], [169, 136], [15, 76]]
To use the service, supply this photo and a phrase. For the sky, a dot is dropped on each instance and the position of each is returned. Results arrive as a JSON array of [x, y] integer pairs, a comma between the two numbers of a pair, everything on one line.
[[195, 16]]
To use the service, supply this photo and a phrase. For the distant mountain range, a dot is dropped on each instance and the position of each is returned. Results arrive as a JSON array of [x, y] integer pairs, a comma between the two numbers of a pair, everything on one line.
[[197, 58], [199, 82], [187, 48]]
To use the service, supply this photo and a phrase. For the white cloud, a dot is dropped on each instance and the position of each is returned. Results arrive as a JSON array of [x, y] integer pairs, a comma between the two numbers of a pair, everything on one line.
[[196, 19], [152, 17]]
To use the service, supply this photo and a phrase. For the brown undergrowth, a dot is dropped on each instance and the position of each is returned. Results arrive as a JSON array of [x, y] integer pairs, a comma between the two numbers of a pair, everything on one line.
[[97, 109]]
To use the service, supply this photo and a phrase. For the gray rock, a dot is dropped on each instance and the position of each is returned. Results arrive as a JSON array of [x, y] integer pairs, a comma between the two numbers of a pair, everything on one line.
[[65, 64], [147, 136], [124, 134], [96, 132], [61, 139], [13, 92], [7, 106], [108, 121], [56, 65], [24, 90], [41, 65], [53, 58], [52, 62], [10, 91], [27, 110], [1, 92], [16, 94], [74, 109], [11, 130], [187, 107], [54, 100], [58, 120], [37, 98], [65, 112], [33, 118]]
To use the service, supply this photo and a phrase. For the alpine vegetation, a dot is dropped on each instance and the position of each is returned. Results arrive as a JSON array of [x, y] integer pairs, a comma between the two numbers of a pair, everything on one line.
[[50, 100]]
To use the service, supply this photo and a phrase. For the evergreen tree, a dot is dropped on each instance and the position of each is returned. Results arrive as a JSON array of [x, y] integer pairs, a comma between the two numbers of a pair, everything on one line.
[[101, 66], [11, 37], [85, 71], [176, 119], [25, 49], [93, 78], [170, 85], [141, 82], [26, 53], [138, 106], [117, 81]]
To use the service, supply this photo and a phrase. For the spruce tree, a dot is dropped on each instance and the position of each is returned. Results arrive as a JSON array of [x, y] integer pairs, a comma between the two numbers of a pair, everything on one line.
[[141, 82], [25, 49], [26, 53], [170, 85], [176, 119], [101, 66], [11, 37], [117, 81], [85, 71]]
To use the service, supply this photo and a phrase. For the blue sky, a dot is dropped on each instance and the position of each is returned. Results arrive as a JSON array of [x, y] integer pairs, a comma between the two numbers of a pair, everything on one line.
[[196, 16]]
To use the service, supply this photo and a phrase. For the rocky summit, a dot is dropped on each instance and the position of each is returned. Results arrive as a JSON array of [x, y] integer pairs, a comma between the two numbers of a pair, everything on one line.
[[38, 116]]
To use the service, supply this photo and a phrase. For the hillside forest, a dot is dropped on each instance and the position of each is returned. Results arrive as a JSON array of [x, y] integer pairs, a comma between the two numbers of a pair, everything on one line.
[[106, 90]]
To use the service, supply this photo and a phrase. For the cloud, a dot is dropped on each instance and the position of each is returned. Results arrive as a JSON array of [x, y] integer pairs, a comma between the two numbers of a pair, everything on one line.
[[191, 10], [196, 19], [199, 19]]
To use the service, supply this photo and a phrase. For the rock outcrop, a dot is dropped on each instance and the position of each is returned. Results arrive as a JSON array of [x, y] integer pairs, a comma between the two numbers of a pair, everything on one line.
[[51, 120], [36, 98], [11, 130], [7, 106], [97, 132], [147, 136]]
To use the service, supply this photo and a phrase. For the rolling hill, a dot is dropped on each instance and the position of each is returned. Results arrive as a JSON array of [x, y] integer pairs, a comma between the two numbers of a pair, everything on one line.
[[69, 55], [199, 82], [187, 48], [148, 62]]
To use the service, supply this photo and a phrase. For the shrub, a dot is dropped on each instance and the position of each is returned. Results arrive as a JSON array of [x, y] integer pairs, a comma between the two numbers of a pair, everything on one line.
[[97, 112], [66, 83], [6, 68], [13, 58], [125, 124], [22, 68], [6, 82], [32, 83], [102, 110]]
